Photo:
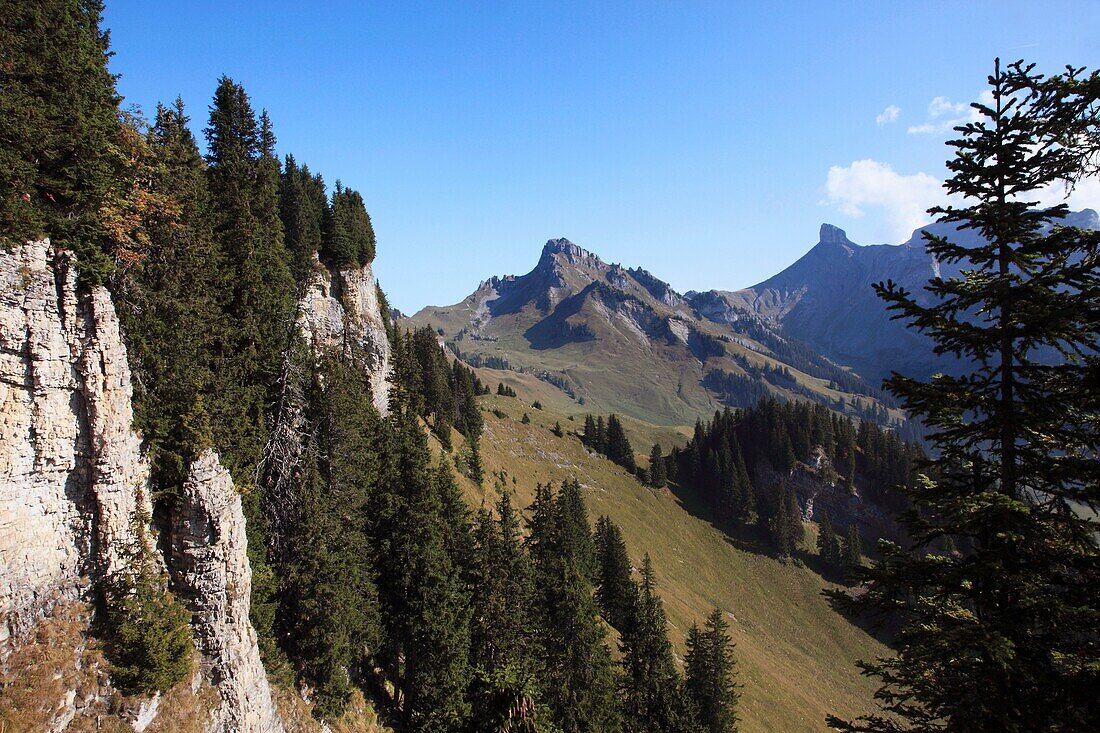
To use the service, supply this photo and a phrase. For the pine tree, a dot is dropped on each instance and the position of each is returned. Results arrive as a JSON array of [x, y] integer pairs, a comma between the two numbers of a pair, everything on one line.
[[147, 630], [62, 157], [710, 674], [168, 305], [786, 525], [851, 550], [505, 688], [589, 437], [652, 691], [302, 208], [828, 544], [1001, 635], [579, 678], [423, 590], [616, 591], [258, 285], [657, 475], [328, 612], [618, 447]]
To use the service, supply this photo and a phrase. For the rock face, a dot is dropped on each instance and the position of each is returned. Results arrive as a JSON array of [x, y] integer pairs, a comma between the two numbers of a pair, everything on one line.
[[340, 309], [210, 571], [73, 481], [72, 475]]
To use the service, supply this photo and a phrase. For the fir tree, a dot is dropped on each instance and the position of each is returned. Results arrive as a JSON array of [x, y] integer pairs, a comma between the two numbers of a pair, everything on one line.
[[710, 674], [61, 160], [617, 447], [579, 679], [148, 633], [828, 544], [657, 475], [589, 437], [168, 304], [851, 550], [616, 591], [653, 698], [1001, 635]]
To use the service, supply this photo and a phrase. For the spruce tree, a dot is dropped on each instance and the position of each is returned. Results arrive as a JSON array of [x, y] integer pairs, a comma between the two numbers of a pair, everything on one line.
[[828, 544], [710, 675], [257, 282], [168, 304], [579, 678], [504, 652], [589, 437], [1002, 633], [61, 158], [851, 550], [652, 691], [616, 591], [657, 475]]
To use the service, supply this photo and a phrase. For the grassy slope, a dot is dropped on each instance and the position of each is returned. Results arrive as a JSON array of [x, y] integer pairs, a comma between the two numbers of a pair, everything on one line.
[[796, 655]]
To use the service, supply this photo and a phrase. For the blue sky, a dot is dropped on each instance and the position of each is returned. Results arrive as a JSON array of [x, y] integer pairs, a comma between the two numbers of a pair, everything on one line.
[[703, 141]]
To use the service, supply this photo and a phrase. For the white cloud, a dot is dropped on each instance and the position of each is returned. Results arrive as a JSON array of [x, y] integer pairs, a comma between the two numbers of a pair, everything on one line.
[[890, 114], [900, 199], [945, 115], [1086, 195], [940, 106]]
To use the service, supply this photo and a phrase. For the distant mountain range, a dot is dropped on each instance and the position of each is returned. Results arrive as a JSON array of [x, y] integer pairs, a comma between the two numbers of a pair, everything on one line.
[[622, 340], [826, 299]]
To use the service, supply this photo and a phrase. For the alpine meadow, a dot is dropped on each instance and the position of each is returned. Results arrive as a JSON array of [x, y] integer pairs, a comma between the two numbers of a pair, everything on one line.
[[246, 489]]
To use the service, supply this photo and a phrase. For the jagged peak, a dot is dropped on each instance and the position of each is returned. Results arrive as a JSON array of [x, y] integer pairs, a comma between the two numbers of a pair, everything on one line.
[[832, 235], [572, 251]]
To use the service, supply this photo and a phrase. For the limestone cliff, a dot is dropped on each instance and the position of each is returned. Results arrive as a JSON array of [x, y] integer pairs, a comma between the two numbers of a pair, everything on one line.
[[71, 471], [73, 478], [210, 571], [340, 309]]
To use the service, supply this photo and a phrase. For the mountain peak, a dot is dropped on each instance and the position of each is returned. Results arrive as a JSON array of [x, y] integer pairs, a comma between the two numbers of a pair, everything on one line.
[[564, 246], [832, 235]]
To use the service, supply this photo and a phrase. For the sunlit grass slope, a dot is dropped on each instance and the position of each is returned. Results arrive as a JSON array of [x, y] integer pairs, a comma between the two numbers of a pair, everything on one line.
[[796, 654]]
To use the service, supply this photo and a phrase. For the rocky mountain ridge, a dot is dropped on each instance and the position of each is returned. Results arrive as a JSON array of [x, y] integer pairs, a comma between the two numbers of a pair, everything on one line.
[[826, 299], [620, 339]]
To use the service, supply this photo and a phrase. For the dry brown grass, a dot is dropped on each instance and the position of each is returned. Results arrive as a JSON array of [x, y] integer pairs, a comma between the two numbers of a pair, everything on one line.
[[297, 714], [60, 669]]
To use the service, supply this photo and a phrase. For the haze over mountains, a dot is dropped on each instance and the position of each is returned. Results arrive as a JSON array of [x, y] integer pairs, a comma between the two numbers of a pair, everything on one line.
[[620, 339], [826, 299]]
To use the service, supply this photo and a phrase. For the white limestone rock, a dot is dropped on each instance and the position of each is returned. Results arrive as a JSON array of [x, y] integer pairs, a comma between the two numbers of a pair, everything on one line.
[[210, 571]]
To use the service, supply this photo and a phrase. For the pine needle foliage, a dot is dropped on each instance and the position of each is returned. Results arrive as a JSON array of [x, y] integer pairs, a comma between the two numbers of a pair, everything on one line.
[[1002, 634]]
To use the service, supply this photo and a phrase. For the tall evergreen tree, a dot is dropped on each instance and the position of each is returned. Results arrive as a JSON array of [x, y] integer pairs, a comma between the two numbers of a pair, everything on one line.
[[711, 675], [61, 159], [851, 549], [579, 679], [168, 304], [504, 654], [258, 285], [616, 591], [1002, 634], [653, 695], [828, 544], [657, 475]]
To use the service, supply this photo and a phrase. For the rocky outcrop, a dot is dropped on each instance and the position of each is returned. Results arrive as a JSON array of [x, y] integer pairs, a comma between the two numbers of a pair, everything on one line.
[[340, 309], [72, 476], [74, 483], [210, 571]]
